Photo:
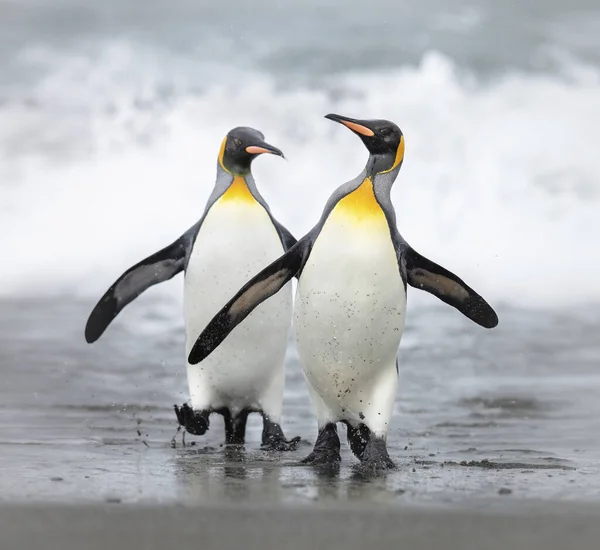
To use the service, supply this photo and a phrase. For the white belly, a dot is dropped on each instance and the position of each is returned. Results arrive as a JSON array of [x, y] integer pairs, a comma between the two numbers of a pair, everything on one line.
[[348, 322], [235, 242]]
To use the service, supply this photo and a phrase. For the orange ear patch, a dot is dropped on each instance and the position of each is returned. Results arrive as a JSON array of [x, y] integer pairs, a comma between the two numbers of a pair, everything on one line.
[[222, 154], [399, 157]]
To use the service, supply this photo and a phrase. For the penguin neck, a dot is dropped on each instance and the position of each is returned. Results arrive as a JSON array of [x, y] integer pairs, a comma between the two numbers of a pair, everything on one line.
[[382, 177], [236, 187], [369, 195], [381, 164]]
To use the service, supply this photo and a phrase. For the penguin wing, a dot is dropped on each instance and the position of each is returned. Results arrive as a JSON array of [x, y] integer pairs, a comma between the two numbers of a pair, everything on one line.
[[428, 276], [287, 239], [160, 267], [262, 286]]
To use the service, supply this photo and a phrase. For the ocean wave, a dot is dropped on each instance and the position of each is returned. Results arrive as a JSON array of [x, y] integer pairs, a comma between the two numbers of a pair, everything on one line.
[[105, 160]]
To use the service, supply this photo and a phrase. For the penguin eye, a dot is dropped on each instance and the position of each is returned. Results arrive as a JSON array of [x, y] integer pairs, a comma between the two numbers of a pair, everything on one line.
[[385, 132], [237, 142]]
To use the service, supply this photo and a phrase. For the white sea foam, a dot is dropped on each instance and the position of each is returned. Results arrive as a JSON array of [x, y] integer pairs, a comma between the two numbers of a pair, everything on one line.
[[105, 161]]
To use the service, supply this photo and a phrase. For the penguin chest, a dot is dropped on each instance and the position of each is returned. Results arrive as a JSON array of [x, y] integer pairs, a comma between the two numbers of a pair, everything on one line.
[[236, 240], [351, 303]]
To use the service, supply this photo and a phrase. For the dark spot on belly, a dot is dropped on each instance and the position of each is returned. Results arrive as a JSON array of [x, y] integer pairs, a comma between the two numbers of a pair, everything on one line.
[[361, 415]]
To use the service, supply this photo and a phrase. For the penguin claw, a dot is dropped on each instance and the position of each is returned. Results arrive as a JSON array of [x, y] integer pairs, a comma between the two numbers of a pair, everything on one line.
[[194, 422], [281, 444]]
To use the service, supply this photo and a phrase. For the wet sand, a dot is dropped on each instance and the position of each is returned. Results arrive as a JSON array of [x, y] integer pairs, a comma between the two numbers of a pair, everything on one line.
[[259, 526], [495, 435], [477, 412]]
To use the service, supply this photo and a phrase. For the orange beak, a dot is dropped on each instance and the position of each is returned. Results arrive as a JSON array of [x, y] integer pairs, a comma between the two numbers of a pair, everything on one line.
[[263, 148], [355, 125]]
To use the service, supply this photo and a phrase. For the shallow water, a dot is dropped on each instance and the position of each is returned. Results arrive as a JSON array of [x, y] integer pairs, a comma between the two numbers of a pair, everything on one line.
[[92, 423]]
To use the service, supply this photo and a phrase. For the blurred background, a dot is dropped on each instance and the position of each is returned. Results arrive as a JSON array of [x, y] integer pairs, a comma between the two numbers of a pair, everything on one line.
[[111, 116]]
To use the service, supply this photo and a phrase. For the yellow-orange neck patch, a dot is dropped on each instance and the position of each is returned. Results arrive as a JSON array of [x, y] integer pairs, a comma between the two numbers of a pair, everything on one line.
[[222, 154], [399, 157], [238, 191], [361, 204]]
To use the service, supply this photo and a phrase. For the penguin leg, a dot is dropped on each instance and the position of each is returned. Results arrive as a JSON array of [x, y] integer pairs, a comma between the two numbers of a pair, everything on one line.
[[326, 451], [358, 438], [194, 417], [370, 449], [376, 416], [271, 402], [235, 426], [194, 422], [327, 445]]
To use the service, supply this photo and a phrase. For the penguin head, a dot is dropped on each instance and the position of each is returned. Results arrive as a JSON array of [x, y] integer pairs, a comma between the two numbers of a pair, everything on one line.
[[240, 147], [382, 138]]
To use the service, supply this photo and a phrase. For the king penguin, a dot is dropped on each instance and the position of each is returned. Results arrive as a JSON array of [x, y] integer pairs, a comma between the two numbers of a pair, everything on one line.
[[353, 268], [236, 236]]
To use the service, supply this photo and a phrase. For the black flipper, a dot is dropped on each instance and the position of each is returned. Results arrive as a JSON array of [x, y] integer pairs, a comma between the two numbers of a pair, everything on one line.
[[160, 267], [430, 277], [262, 286], [287, 239]]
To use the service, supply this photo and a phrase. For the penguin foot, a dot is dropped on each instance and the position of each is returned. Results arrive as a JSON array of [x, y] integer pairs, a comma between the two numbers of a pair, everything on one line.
[[327, 448], [375, 457], [281, 444], [323, 457], [273, 438], [194, 422], [368, 467]]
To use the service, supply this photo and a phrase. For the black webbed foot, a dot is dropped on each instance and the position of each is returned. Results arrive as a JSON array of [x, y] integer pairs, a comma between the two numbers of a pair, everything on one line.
[[282, 444], [273, 438], [326, 451], [375, 457], [196, 423], [322, 458]]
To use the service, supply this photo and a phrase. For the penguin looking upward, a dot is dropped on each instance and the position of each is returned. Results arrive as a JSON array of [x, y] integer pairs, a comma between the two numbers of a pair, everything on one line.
[[236, 236], [353, 268]]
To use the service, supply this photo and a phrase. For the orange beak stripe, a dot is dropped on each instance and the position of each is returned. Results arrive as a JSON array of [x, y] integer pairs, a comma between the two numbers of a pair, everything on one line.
[[255, 150], [358, 128]]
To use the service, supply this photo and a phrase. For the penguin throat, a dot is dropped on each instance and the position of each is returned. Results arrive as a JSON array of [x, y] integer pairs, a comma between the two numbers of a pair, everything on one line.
[[379, 164], [238, 169], [238, 191], [361, 204], [385, 163]]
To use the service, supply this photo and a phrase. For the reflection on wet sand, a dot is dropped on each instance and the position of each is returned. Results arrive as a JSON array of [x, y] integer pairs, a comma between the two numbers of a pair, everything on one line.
[[232, 474]]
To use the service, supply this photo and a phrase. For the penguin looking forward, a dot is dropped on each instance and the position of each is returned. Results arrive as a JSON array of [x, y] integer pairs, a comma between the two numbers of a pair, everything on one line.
[[353, 268], [236, 236]]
